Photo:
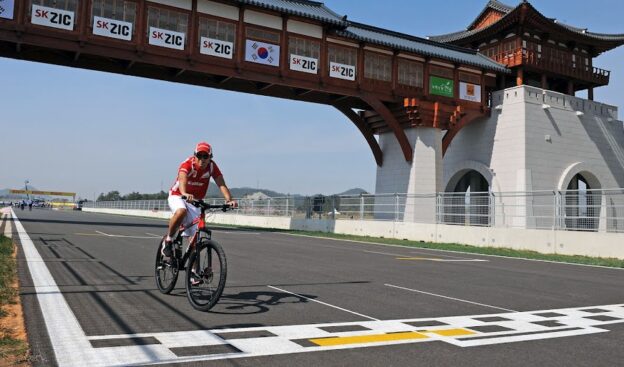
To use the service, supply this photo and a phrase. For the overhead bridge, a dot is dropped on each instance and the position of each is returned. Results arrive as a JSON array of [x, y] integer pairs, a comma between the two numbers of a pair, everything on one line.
[[299, 50]]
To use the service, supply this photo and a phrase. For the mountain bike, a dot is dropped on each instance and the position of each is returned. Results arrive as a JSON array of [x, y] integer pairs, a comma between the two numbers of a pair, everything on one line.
[[204, 262]]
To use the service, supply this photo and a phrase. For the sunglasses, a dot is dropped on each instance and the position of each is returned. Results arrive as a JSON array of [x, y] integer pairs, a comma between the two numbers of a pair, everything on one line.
[[203, 156]]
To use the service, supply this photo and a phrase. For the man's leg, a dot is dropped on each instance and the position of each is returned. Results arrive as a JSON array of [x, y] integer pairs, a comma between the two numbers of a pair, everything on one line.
[[175, 221]]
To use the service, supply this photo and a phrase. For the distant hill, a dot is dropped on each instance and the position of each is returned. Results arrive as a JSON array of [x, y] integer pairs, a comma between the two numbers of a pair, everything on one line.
[[239, 192], [356, 191]]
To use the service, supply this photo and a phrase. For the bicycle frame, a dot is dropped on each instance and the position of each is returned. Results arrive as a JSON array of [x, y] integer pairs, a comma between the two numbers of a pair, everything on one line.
[[200, 221]]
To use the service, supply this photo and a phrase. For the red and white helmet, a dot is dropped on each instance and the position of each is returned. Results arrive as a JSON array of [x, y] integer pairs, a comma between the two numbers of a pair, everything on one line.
[[203, 147]]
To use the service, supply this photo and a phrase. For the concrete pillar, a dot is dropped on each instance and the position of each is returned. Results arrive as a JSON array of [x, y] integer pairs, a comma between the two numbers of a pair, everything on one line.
[[420, 180]]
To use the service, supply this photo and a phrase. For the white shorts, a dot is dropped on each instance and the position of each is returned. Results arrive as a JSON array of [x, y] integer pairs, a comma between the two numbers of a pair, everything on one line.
[[192, 212]]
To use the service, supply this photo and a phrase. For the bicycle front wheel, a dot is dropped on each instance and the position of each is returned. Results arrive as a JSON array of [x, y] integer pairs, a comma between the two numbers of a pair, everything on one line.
[[166, 272], [205, 275]]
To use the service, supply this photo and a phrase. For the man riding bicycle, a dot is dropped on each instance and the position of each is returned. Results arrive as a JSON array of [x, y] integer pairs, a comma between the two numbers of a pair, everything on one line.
[[192, 182]]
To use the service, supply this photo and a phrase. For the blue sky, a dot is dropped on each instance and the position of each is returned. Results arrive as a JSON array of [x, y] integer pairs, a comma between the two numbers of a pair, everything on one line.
[[90, 132]]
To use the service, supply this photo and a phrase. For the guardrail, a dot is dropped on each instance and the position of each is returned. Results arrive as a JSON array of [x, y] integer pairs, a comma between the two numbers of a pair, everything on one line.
[[573, 210]]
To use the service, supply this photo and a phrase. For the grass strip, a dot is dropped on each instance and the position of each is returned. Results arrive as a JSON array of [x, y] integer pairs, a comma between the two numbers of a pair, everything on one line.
[[7, 273], [12, 350]]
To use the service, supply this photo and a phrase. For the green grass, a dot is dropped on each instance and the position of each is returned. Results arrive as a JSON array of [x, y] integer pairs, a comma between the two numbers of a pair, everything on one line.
[[7, 273], [12, 350]]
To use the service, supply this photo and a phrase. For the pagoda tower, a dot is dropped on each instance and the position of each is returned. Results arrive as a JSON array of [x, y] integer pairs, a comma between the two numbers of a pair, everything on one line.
[[541, 51]]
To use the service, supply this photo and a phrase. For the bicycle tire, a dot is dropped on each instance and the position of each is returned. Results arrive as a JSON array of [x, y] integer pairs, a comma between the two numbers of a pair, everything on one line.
[[162, 269], [203, 285]]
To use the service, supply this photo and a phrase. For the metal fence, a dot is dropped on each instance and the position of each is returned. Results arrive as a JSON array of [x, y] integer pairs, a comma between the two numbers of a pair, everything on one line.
[[577, 210]]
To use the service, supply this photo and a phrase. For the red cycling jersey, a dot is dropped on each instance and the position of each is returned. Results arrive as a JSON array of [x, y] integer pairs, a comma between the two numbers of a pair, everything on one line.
[[198, 179]]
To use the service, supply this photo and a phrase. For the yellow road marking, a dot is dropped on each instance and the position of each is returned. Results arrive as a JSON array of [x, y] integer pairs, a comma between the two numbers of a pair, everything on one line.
[[452, 332], [324, 342], [440, 260]]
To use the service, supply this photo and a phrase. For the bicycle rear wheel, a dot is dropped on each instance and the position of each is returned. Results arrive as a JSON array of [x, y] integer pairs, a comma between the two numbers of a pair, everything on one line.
[[166, 272], [205, 275]]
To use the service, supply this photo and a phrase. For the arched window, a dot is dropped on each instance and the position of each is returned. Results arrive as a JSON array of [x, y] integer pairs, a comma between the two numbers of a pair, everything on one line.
[[581, 205], [468, 202]]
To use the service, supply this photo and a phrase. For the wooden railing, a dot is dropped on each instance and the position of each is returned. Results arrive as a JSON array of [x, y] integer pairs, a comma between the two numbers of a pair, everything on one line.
[[521, 56]]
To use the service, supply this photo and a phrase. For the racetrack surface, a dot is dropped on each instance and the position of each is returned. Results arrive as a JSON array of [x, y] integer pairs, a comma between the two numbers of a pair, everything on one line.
[[294, 300]]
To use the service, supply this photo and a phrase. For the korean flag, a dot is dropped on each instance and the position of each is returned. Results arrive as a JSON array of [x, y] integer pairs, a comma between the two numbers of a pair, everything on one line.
[[262, 53]]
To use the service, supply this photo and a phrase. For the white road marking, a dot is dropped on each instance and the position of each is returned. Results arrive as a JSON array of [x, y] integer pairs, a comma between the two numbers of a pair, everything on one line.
[[516, 326], [451, 298], [99, 233], [323, 303]]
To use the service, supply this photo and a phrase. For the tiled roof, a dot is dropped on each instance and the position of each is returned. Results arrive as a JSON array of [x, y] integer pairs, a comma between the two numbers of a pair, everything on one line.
[[307, 9], [584, 31], [420, 46], [495, 5], [506, 9]]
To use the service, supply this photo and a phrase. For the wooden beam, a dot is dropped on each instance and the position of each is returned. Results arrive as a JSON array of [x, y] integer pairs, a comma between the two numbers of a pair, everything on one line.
[[223, 79], [365, 130], [263, 86], [299, 92], [387, 115]]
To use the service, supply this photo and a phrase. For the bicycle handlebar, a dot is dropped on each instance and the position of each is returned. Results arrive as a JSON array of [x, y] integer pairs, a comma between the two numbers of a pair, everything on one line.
[[202, 204]]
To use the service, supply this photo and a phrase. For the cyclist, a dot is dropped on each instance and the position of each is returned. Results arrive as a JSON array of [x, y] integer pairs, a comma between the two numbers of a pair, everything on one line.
[[193, 178]]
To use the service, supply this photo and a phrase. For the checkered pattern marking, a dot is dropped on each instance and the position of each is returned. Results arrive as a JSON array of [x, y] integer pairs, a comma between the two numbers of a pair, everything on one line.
[[461, 331]]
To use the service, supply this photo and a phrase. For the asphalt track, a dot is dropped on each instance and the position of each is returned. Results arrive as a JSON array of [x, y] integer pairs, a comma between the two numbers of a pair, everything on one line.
[[89, 297]]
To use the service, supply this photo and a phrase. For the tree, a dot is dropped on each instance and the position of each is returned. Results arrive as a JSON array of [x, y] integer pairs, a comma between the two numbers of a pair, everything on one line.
[[111, 196]]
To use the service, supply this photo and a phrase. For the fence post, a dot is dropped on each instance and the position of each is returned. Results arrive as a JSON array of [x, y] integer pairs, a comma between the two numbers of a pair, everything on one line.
[[439, 208], [268, 207], [361, 206], [492, 208], [396, 207], [558, 202]]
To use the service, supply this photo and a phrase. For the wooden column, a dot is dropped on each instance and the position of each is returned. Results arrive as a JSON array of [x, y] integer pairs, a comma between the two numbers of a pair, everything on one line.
[[192, 32], [240, 39], [544, 81], [590, 93], [520, 77], [570, 88]]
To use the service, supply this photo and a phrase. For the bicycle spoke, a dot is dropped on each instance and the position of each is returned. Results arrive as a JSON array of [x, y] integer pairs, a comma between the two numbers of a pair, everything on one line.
[[207, 277]]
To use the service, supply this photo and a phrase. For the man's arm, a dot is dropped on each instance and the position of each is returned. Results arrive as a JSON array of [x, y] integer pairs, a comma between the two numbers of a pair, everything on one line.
[[224, 190], [182, 180]]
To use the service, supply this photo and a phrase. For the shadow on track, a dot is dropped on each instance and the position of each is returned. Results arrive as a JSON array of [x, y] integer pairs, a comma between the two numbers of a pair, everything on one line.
[[249, 302]]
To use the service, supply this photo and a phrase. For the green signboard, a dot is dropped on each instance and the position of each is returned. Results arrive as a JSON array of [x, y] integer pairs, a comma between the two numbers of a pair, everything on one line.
[[441, 86]]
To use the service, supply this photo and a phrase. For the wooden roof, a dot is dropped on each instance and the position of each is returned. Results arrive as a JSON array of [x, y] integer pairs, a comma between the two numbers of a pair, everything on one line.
[[526, 14]]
